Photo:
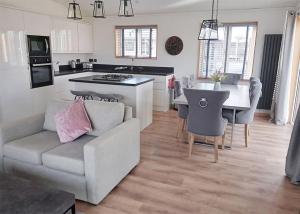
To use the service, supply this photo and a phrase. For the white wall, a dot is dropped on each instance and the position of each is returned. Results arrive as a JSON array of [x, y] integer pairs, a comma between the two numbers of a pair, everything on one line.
[[186, 26], [64, 59]]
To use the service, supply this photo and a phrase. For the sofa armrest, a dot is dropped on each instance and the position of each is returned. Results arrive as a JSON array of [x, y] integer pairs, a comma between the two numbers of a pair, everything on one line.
[[18, 129], [110, 157]]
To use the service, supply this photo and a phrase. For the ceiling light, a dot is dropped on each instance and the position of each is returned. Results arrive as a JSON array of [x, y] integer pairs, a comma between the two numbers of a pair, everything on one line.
[[125, 8], [209, 27], [98, 11], [74, 11]]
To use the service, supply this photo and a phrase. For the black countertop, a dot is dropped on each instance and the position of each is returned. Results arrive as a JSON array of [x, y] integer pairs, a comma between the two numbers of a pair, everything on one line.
[[103, 68], [77, 71], [135, 81]]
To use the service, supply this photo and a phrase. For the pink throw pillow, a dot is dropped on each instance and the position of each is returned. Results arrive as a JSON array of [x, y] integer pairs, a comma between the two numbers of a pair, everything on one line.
[[72, 122]]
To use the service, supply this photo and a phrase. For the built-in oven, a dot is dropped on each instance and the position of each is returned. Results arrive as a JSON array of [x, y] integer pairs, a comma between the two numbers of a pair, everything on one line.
[[38, 45], [41, 75], [40, 61]]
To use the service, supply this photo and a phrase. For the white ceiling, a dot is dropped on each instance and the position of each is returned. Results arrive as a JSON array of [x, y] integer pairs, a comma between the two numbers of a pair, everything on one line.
[[59, 7], [170, 6]]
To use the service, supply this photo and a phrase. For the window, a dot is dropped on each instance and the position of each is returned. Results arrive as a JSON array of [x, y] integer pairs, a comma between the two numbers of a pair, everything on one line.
[[136, 41], [232, 53]]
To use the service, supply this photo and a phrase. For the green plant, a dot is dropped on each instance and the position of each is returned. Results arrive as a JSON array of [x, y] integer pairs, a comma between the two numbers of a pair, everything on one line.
[[218, 76]]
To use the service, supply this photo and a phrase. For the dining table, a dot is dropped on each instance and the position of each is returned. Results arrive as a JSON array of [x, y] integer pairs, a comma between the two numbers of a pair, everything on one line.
[[238, 99]]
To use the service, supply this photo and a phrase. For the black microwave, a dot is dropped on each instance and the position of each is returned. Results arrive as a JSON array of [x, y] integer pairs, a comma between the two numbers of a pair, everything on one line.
[[38, 46]]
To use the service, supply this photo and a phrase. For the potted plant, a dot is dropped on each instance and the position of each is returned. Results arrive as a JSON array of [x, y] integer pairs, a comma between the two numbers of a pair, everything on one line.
[[217, 77]]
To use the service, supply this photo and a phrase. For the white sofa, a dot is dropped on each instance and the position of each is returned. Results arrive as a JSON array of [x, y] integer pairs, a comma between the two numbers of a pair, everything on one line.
[[89, 167]]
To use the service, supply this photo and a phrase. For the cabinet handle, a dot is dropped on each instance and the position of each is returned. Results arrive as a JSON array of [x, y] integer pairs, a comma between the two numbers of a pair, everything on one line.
[[42, 64]]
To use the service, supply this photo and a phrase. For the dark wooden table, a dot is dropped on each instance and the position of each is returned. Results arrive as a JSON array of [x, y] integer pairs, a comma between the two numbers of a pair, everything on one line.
[[21, 196]]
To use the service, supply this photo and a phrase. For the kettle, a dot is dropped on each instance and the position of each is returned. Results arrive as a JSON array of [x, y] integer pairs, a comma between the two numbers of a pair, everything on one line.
[[72, 64]]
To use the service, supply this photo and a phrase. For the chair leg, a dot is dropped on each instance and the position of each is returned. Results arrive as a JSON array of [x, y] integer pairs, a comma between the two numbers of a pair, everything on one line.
[[246, 134], [183, 125], [223, 140], [216, 149], [191, 142], [180, 126]]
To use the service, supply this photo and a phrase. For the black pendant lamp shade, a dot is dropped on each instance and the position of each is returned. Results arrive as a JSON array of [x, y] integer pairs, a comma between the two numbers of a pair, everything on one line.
[[209, 30], [125, 8], [98, 11], [209, 27], [74, 11]]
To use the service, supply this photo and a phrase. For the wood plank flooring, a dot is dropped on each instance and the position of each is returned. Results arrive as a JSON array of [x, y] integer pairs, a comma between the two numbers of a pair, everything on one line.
[[245, 180]]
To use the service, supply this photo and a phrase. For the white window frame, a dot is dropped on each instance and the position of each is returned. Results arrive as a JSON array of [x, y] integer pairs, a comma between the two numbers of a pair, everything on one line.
[[228, 25], [136, 27]]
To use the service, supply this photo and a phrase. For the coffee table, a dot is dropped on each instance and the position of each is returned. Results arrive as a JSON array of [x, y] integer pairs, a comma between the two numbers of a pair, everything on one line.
[[19, 196]]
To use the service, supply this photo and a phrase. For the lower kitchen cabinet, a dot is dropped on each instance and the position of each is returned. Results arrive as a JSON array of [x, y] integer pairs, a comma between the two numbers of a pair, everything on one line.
[[63, 87], [161, 98]]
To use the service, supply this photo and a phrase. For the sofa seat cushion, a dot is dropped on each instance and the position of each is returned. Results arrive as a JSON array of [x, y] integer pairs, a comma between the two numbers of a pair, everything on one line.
[[67, 157], [30, 149]]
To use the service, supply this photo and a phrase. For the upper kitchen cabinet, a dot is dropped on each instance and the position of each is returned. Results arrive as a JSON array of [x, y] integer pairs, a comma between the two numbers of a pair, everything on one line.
[[64, 36], [36, 24], [12, 39], [85, 38]]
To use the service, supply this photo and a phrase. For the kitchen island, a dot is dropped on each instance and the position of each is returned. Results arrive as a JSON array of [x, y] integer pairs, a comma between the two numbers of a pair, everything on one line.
[[137, 92], [161, 76]]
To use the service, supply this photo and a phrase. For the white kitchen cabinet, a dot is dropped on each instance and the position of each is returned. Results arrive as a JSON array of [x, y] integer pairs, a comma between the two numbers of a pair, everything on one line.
[[14, 70], [63, 86], [85, 38], [36, 24], [12, 41], [64, 36], [161, 98]]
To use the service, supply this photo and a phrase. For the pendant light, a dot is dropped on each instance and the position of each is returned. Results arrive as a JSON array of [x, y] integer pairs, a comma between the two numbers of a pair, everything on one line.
[[98, 11], [125, 9], [209, 27], [74, 11]]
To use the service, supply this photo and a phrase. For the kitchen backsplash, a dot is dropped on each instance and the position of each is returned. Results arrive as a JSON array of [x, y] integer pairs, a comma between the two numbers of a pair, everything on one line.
[[64, 59]]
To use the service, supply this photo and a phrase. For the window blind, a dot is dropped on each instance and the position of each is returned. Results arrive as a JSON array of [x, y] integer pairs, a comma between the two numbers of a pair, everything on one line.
[[136, 41]]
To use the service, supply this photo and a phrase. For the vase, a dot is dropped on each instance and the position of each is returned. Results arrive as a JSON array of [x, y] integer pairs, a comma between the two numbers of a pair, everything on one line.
[[217, 86]]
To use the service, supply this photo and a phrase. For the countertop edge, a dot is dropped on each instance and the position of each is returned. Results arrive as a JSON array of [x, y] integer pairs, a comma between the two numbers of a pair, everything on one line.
[[95, 71], [111, 83]]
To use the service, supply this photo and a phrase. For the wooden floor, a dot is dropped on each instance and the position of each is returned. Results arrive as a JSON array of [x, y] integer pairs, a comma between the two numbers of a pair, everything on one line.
[[246, 180]]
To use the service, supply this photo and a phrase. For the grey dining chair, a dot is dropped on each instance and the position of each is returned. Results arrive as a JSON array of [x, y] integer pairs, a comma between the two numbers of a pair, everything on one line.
[[231, 79], [246, 117], [183, 110], [205, 116]]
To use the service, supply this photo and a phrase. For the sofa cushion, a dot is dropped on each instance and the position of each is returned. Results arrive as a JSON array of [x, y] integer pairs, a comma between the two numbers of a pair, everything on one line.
[[54, 107], [29, 149], [104, 115], [67, 157], [72, 122]]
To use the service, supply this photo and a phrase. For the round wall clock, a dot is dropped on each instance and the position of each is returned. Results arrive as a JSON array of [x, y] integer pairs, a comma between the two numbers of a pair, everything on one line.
[[174, 45]]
